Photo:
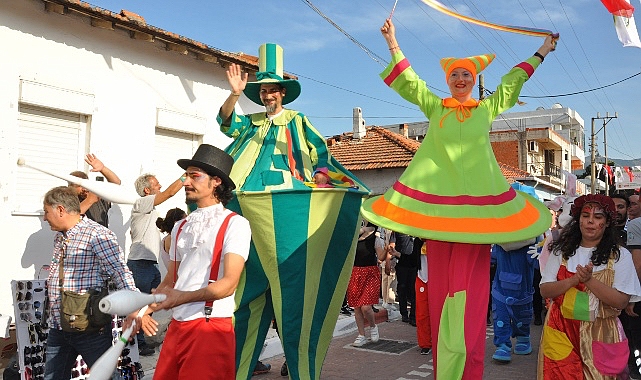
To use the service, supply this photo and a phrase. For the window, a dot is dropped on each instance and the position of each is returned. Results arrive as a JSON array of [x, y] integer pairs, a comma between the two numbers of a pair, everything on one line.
[[48, 139]]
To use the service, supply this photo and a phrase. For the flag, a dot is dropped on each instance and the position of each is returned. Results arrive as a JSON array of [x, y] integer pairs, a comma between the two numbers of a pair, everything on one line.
[[619, 7], [608, 170], [627, 31]]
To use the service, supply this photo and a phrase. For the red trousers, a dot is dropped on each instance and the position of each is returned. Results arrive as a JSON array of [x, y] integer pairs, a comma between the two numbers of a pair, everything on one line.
[[198, 349], [459, 275], [423, 326]]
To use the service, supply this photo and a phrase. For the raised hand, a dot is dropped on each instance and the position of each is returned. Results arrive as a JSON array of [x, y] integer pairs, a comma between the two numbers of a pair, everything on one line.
[[94, 162], [237, 79], [389, 33]]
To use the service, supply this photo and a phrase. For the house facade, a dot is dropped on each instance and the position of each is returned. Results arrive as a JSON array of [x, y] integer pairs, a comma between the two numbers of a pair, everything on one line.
[[77, 79]]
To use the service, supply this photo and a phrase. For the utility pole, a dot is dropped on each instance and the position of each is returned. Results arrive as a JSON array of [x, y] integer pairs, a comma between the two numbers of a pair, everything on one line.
[[481, 87], [606, 119]]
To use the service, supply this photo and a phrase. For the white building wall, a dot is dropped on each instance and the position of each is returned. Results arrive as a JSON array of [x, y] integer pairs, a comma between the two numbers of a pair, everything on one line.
[[127, 82], [379, 181]]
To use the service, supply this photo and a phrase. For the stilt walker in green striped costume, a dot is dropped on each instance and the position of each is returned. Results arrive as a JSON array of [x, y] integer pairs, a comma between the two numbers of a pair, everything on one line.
[[303, 232]]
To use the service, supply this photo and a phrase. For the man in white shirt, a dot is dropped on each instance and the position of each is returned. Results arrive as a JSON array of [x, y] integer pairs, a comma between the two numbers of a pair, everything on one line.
[[200, 341], [145, 238]]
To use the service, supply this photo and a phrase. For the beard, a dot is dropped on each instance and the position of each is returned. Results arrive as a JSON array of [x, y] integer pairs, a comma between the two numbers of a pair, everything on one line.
[[191, 198], [270, 108]]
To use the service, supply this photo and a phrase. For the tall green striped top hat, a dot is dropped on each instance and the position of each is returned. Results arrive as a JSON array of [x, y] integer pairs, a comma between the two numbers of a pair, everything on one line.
[[270, 64]]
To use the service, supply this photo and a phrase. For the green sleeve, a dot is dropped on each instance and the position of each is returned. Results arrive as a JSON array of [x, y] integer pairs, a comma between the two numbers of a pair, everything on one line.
[[402, 78], [236, 124], [507, 92]]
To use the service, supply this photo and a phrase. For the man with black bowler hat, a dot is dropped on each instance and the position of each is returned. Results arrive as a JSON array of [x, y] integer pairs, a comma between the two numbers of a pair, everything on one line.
[[200, 341]]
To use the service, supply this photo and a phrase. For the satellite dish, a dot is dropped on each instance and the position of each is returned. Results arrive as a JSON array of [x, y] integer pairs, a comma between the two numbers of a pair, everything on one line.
[[540, 108], [557, 105]]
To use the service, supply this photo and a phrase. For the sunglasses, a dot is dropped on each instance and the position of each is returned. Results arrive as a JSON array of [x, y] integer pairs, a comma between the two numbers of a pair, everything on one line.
[[20, 296], [32, 359], [39, 370], [28, 350], [22, 285]]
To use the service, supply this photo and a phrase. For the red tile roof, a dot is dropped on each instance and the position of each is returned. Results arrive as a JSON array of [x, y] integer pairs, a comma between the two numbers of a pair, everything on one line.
[[510, 172], [134, 22], [379, 149], [384, 149]]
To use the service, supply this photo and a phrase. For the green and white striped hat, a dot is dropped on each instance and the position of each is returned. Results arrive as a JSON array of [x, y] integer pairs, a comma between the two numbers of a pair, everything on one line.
[[270, 66]]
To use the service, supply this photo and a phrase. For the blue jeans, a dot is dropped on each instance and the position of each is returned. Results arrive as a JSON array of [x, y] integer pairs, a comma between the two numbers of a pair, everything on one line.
[[63, 348], [147, 277]]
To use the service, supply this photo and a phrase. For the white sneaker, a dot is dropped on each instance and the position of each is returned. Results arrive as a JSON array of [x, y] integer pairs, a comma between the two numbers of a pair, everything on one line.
[[360, 341], [374, 334]]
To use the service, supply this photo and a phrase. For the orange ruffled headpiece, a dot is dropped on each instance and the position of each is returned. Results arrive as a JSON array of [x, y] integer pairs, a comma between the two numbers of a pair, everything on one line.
[[474, 64]]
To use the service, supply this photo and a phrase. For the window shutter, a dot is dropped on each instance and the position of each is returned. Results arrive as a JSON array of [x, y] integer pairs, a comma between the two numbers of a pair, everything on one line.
[[51, 140]]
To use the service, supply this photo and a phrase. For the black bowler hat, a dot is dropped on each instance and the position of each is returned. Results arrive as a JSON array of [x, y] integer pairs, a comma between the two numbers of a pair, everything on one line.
[[213, 161]]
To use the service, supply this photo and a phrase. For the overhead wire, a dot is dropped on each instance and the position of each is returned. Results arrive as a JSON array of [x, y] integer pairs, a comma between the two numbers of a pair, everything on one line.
[[596, 77], [372, 55], [583, 91], [353, 92]]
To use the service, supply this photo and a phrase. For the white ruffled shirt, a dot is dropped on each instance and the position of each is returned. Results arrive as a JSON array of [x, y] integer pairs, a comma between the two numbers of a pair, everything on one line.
[[194, 250]]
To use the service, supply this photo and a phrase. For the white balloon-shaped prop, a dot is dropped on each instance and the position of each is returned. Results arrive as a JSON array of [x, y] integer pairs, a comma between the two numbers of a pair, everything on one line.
[[105, 190], [104, 367], [124, 302]]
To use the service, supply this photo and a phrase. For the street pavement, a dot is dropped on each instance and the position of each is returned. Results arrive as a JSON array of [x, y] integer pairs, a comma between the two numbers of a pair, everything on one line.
[[395, 357]]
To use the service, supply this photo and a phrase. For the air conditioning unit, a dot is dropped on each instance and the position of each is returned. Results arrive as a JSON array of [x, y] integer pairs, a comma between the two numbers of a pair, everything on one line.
[[533, 146]]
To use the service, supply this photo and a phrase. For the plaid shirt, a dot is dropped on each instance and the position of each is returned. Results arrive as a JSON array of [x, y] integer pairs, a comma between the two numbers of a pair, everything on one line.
[[91, 256]]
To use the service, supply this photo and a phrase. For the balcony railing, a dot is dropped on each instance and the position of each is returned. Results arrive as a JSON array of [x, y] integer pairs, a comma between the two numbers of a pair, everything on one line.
[[552, 170]]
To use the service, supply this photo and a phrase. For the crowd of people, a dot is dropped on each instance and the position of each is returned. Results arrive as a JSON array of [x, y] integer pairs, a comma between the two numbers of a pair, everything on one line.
[[587, 302], [236, 265]]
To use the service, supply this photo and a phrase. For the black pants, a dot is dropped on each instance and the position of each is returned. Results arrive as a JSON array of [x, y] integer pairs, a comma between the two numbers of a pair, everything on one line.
[[632, 329], [405, 280], [537, 300]]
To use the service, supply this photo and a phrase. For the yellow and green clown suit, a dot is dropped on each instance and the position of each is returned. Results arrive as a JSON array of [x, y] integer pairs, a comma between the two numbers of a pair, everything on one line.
[[454, 195], [303, 238]]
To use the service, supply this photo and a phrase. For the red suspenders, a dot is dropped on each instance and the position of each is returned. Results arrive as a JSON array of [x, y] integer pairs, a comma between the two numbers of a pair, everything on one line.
[[215, 262], [216, 255]]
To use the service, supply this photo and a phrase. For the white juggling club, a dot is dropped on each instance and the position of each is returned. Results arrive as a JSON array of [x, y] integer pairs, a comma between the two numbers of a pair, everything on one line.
[[104, 367], [105, 190], [124, 302]]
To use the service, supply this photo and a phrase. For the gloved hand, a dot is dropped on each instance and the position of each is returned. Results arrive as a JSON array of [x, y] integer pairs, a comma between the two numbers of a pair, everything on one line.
[[535, 250]]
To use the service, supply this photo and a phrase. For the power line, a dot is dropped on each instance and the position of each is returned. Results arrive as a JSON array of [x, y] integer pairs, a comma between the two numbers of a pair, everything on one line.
[[353, 92], [372, 55], [581, 92]]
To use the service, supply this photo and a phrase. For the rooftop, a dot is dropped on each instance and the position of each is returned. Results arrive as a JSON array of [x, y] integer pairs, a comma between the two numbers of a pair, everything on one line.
[[139, 29], [379, 149]]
